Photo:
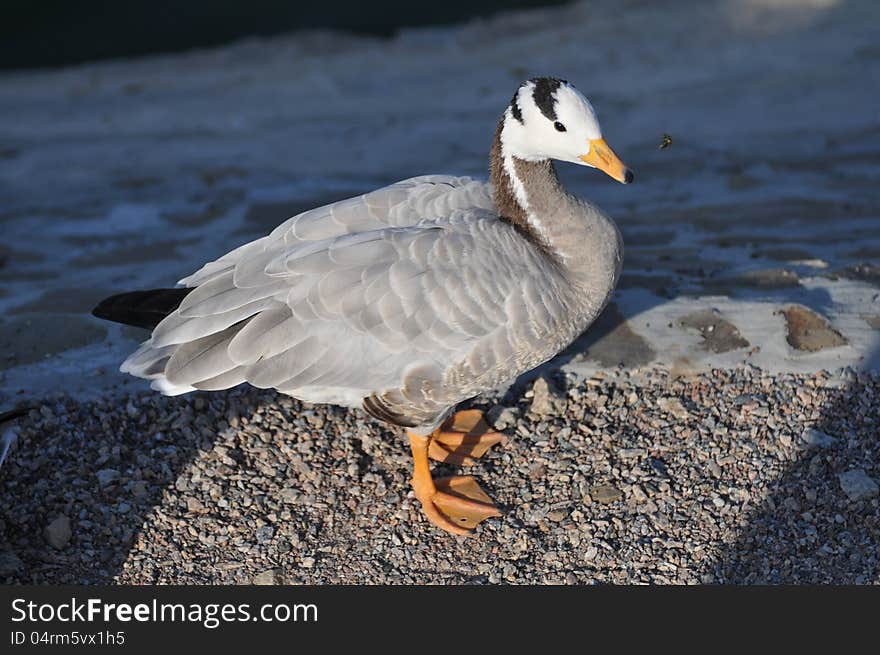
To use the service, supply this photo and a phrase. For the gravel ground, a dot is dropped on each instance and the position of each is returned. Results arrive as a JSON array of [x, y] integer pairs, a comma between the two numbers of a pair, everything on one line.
[[729, 476]]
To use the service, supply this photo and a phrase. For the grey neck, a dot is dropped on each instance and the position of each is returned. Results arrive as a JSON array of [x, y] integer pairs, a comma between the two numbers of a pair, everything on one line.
[[515, 182], [529, 195]]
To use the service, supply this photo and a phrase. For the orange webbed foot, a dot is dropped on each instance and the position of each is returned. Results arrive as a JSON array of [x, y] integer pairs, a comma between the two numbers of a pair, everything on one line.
[[455, 504], [463, 438]]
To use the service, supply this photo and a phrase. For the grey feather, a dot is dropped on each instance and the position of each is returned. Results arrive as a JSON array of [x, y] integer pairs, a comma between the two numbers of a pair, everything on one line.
[[256, 338], [227, 380], [201, 359], [180, 328]]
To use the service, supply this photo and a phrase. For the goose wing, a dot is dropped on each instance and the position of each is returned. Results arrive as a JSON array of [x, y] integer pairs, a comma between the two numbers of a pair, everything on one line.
[[402, 204], [418, 312]]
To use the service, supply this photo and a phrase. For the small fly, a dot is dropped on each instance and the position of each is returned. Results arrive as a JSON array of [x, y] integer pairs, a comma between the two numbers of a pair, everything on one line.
[[665, 142]]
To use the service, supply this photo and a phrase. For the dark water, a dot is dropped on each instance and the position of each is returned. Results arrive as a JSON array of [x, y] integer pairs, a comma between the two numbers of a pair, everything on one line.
[[43, 33]]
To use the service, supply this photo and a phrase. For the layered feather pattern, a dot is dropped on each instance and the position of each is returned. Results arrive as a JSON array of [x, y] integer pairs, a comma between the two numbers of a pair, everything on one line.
[[415, 295]]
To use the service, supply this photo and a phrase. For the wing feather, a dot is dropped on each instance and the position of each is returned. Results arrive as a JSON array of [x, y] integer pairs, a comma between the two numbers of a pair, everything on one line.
[[178, 328], [378, 294], [201, 359], [261, 335]]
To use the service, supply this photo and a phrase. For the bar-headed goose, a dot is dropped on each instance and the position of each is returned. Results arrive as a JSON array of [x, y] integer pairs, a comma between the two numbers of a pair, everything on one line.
[[407, 300]]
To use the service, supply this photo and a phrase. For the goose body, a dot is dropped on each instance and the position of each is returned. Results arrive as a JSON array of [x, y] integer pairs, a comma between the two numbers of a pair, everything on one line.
[[412, 298]]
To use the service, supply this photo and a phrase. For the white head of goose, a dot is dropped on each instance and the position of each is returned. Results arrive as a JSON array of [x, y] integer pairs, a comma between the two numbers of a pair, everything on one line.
[[409, 299]]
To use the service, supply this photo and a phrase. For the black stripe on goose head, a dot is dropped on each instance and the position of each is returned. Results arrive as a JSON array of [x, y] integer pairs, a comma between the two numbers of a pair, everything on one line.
[[514, 107], [542, 94]]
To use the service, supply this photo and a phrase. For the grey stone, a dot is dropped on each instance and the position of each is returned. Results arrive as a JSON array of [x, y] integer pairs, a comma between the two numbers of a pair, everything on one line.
[[673, 406], [269, 577], [771, 278], [547, 398], [265, 533], [58, 532], [817, 439], [106, 476], [606, 493], [501, 417], [857, 485]]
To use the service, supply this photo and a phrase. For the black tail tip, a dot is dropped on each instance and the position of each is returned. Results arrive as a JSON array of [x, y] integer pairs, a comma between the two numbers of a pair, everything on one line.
[[101, 310], [12, 414], [144, 309]]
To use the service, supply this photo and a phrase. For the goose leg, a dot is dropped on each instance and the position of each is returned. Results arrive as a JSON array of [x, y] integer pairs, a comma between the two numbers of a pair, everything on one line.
[[455, 504], [463, 438]]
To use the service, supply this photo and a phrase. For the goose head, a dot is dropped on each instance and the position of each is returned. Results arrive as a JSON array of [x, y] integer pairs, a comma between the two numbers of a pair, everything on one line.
[[550, 119]]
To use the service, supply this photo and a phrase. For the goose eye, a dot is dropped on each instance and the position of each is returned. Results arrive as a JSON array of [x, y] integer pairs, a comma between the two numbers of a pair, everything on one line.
[[559, 126]]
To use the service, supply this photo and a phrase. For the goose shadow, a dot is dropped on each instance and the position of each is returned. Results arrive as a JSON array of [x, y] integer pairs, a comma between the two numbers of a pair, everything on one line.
[[97, 476], [808, 529], [815, 525]]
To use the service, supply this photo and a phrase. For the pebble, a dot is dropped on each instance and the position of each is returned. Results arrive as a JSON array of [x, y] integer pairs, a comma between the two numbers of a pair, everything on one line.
[[638, 494], [194, 505], [269, 577], [817, 439], [857, 485], [547, 398], [264, 533], [139, 490], [501, 417], [106, 476], [605, 493], [673, 406], [58, 532]]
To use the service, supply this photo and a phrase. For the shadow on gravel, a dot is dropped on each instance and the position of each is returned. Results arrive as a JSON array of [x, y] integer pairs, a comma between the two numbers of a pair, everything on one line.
[[93, 485], [821, 527]]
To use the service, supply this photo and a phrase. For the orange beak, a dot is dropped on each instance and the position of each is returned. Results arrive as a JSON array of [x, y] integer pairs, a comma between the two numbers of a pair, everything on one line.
[[601, 156]]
